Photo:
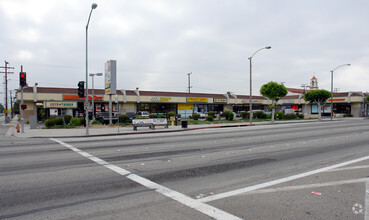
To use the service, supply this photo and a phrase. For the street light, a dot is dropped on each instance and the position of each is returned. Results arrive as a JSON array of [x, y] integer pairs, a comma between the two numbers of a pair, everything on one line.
[[250, 58], [93, 6], [332, 87], [93, 106]]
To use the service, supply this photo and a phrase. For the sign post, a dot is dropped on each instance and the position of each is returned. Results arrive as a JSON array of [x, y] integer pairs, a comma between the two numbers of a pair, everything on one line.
[[110, 83]]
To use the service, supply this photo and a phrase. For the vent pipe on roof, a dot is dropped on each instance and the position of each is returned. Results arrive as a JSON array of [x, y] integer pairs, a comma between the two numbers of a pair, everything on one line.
[[35, 92], [124, 95], [300, 95], [137, 91], [227, 96]]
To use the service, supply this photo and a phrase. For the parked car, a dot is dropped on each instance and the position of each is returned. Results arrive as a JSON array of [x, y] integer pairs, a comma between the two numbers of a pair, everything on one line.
[[103, 117], [143, 114], [203, 114], [131, 116]]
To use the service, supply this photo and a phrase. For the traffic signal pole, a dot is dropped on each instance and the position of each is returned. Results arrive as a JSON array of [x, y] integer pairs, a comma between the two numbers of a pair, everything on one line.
[[21, 109]]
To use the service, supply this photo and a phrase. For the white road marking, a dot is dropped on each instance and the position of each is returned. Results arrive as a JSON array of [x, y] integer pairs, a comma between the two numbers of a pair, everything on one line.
[[366, 216], [278, 181], [349, 168], [299, 187], [179, 197]]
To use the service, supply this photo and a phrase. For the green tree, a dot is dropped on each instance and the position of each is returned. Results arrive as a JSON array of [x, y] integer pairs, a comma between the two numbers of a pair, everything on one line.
[[16, 107], [318, 96], [274, 92], [1, 108], [367, 98]]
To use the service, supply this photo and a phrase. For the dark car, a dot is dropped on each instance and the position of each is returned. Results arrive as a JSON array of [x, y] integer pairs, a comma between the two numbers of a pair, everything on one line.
[[131, 116], [103, 117]]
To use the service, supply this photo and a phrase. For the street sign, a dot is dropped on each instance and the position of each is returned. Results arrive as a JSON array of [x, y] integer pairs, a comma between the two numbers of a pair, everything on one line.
[[5, 111], [86, 105]]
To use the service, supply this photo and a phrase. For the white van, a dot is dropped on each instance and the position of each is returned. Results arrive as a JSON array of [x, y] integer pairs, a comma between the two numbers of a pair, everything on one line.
[[143, 114]]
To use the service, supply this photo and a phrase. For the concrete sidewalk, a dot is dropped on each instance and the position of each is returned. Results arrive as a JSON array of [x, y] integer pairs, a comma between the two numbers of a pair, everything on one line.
[[113, 130]]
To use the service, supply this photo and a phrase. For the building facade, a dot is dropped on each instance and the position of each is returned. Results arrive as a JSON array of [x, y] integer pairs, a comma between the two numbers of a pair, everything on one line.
[[45, 102]]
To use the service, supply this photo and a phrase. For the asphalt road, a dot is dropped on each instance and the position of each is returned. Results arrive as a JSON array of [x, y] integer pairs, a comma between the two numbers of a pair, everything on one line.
[[314, 170]]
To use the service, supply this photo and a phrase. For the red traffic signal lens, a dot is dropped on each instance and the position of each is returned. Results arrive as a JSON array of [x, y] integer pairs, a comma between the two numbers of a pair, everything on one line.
[[22, 75]]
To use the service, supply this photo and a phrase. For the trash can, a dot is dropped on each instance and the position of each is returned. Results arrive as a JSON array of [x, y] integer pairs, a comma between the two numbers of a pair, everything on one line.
[[184, 124]]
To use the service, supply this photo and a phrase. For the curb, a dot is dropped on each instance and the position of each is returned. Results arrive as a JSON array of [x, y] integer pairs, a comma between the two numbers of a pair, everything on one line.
[[177, 130]]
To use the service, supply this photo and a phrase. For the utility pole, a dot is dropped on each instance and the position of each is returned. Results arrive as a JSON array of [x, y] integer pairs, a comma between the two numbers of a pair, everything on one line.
[[304, 86], [189, 82], [6, 67]]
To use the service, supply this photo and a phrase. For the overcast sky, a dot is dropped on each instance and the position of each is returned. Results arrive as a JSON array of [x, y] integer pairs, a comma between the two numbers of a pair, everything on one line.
[[157, 42]]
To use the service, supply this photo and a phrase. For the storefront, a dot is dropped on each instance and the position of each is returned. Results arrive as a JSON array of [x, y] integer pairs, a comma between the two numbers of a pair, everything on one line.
[[184, 104]]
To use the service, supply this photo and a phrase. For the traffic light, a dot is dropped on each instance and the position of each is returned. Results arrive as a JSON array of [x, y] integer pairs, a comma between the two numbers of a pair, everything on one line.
[[22, 79], [81, 89]]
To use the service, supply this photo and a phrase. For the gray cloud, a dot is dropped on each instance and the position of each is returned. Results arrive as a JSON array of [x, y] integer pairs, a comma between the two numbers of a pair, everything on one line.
[[156, 43]]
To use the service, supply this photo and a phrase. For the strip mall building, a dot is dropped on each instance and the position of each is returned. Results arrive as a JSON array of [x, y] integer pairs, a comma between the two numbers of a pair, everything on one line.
[[65, 101]]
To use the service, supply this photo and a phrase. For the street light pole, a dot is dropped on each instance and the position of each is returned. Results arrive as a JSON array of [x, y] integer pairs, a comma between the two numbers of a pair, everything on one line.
[[93, 6], [93, 96], [332, 87], [250, 58]]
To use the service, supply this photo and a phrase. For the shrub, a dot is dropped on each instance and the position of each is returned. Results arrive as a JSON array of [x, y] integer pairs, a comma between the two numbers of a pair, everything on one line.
[[162, 116], [195, 116], [67, 118], [230, 116], [59, 121], [50, 122], [300, 116], [123, 118], [76, 121], [209, 118], [280, 115], [211, 113], [140, 117], [259, 114], [27, 122], [153, 116], [245, 115], [95, 122], [348, 115], [170, 114], [225, 114], [290, 116], [54, 121]]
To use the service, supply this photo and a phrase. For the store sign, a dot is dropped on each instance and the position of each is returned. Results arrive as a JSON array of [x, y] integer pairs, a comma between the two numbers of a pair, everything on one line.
[[197, 99], [253, 101], [161, 99], [337, 100], [52, 104], [185, 106], [75, 97], [219, 100], [111, 77], [287, 101]]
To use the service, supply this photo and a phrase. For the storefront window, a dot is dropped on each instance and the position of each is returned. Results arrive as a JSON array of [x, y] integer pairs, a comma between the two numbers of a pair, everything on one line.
[[325, 109], [201, 108], [143, 107], [342, 108], [157, 108]]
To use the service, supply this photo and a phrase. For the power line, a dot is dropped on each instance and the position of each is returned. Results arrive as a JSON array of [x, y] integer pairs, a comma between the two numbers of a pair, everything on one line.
[[6, 67]]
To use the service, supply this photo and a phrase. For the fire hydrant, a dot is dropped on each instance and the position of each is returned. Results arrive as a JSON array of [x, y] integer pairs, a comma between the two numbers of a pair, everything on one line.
[[18, 128]]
